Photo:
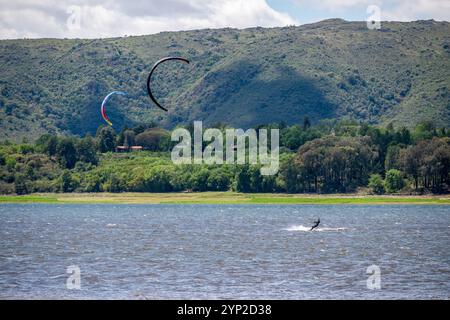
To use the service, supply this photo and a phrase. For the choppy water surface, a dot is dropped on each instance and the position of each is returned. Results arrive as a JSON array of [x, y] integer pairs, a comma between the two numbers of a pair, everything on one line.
[[220, 251]]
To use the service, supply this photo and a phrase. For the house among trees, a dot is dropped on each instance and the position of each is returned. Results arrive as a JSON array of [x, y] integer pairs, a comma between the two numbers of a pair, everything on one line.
[[128, 149]]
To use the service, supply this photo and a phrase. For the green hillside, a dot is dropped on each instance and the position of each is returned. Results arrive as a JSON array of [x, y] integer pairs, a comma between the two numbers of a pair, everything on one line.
[[330, 69]]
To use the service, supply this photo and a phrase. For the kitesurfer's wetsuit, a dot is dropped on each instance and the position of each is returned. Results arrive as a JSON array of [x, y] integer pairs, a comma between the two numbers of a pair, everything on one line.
[[316, 224]]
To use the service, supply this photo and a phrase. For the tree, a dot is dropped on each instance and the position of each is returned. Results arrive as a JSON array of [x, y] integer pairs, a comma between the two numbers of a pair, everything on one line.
[[67, 182], [392, 160], [114, 183], [155, 139], [92, 183], [218, 180], [440, 165], [120, 136], [158, 179], [126, 137], [129, 138], [86, 150], [405, 136], [410, 160], [376, 183], [106, 139], [335, 164], [268, 184], [20, 185], [428, 163], [66, 153], [394, 181], [47, 143], [142, 127], [256, 179], [306, 123], [199, 180], [290, 172], [293, 137], [243, 179], [424, 130]]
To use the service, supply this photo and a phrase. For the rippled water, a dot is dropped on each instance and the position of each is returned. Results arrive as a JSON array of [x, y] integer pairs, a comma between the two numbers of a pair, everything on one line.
[[220, 251]]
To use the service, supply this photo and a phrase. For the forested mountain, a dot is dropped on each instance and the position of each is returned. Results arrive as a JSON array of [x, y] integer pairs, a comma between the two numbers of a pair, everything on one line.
[[330, 69]]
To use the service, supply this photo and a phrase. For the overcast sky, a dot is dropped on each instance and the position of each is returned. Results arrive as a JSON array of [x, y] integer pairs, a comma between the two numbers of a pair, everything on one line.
[[108, 18]]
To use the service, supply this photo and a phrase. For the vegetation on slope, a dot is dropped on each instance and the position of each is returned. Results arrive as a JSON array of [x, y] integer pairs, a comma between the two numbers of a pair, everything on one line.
[[327, 158], [331, 69]]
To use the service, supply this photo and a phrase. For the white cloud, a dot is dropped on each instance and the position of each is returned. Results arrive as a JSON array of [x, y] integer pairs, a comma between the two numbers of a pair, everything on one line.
[[418, 9], [40, 18], [108, 18]]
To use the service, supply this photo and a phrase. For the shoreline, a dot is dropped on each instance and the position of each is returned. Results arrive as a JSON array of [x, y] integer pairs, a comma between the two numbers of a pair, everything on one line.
[[223, 198]]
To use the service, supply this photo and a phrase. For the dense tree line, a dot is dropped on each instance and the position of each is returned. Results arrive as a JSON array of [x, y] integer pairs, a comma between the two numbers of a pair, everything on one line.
[[330, 157], [331, 164], [345, 156]]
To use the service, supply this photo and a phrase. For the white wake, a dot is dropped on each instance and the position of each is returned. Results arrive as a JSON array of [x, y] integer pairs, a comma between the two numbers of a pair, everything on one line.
[[305, 228]]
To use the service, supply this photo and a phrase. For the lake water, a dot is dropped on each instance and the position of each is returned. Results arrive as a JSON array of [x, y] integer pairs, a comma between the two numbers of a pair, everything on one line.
[[224, 251]]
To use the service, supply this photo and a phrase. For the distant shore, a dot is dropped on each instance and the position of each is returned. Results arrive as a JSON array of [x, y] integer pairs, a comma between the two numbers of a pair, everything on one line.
[[221, 198]]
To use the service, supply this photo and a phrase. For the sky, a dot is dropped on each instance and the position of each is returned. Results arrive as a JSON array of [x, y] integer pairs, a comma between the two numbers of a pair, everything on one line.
[[112, 18]]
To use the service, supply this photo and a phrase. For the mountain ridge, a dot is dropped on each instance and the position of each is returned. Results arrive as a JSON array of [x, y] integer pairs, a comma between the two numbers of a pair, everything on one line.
[[332, 69]]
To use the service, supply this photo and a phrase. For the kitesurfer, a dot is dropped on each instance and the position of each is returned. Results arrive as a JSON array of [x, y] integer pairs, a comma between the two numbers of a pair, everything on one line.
[[316, 224]]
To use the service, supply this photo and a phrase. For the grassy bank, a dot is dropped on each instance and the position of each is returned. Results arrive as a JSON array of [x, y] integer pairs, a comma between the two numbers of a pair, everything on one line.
[[219, 198]]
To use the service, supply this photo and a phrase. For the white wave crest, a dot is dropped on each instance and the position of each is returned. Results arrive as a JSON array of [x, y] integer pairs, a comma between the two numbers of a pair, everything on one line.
[[305, 228]]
